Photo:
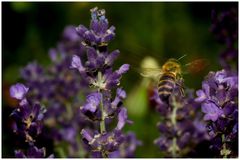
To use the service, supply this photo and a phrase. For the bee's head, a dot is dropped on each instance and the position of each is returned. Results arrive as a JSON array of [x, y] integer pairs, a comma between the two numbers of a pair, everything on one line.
[[172, 65]]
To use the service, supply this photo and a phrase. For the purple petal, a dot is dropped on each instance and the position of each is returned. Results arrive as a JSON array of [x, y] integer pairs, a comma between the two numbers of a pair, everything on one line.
[[53, 54], [70, 33], [100, 60], [103, 24], [111, 57], [90, 36], [123, 69], [206, 89], [86, 135], [184, 139], [109, 35], [112, 79], [23, 102], [121, 93], [212, 117], [90, 107], [92, 55], [116, 102], [212, 112], [122, 118], [232, 81], [220, 76], [51, 156], [18, 91], [68, 134], [76, 63], [34, 152], [95, 26], [81, 30], [201, 96], [93, 100], [19, 154], [229, 108]]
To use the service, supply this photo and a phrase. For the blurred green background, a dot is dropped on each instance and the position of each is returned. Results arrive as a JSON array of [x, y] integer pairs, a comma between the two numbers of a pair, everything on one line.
[[161, 30]]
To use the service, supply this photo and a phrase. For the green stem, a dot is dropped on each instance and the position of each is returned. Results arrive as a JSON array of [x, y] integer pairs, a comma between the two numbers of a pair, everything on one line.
[[175, 147], [173, 117], [174, 114], [224, 151], [102, 122]]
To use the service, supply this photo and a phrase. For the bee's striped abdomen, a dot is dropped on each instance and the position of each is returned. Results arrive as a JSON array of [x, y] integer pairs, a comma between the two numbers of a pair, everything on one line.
[[166, 85]]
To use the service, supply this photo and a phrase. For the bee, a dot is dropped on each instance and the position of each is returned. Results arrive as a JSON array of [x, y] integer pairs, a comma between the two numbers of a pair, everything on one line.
[[170, 76]]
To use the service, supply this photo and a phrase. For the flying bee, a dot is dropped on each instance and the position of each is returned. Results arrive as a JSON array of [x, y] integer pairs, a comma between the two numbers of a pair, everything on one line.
[[170, 75]]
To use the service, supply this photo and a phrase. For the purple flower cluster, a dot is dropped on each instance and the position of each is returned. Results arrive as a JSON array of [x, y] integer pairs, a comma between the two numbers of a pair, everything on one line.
[[62, 91], [100, 108], [219, 102], [28, 118], [58, 88], [225, 29], [181, 127], [33, 152]]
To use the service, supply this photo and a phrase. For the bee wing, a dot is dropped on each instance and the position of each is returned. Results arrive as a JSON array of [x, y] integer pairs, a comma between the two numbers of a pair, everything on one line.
[[151, 72], [196, 66]]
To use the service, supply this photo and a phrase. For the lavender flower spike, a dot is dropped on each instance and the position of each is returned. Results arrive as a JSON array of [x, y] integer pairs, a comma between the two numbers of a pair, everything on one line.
[[27, 122], [100, 107], [220, 106], [18, 91]]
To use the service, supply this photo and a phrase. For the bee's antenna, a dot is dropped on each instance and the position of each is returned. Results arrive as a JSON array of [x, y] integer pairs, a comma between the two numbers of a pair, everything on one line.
[[181, 57]]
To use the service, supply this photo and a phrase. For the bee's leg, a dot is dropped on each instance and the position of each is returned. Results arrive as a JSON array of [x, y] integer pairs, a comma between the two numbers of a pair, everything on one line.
[[182, 92], [181, 89]]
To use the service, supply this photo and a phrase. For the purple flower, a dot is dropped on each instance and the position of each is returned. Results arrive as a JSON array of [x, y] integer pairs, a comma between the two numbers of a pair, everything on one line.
[[202, 94], [224, 26], [179, 127], [212, 112], [123, 69], [18, 91], [97, 71], [76, 63], [122, 118], [93, 100], [220, 106], [98, 32], [28, 120], [70, 34], [32, 152], [219, 89], [127, 147], [32, 72], [59, 89], [121, 94], [225, 29], [106, 142], [86, 135], [111, 57]]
